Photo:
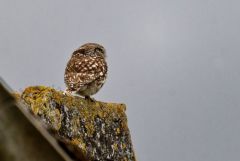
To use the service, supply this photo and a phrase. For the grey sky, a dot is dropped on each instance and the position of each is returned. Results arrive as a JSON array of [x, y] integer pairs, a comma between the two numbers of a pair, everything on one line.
[[174, 63]]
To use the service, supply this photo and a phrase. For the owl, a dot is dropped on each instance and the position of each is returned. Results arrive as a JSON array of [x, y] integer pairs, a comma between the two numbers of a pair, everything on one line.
[[86, 71]]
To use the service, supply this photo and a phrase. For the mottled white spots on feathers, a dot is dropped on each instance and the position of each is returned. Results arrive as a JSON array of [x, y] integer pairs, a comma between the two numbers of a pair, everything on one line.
[[86, 72]]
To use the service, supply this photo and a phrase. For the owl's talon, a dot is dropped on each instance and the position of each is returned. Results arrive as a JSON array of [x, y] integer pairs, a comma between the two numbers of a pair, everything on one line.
[[66, 92], [90, 99]]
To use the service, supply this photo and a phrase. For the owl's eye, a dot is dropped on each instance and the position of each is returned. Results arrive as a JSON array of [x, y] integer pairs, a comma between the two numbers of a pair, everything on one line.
[[81, 50]]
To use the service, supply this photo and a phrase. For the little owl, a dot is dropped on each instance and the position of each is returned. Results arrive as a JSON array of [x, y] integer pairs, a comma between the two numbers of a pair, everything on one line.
[[86, 70]]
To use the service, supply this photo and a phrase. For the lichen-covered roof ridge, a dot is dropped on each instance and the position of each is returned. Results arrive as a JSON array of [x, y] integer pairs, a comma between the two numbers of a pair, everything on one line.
[[94, 130]]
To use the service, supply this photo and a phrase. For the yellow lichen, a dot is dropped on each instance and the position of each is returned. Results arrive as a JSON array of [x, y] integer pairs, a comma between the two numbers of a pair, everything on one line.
[[39, 99]]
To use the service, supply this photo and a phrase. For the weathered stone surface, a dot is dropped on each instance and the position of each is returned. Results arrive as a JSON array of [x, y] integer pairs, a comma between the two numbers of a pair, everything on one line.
[[22, 138], [91, 130]]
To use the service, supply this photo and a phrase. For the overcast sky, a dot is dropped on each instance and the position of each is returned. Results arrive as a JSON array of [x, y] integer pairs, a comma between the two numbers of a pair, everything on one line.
[[176, 64]]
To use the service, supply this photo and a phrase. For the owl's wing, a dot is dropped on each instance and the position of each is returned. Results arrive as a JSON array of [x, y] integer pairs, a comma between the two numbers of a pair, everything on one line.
[[82, 71]]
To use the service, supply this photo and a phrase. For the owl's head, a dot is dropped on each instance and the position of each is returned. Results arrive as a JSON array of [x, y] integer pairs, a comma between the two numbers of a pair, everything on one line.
[[91, 49]]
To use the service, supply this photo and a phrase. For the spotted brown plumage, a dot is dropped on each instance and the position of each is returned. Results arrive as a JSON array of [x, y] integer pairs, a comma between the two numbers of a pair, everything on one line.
[[86, 70]]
